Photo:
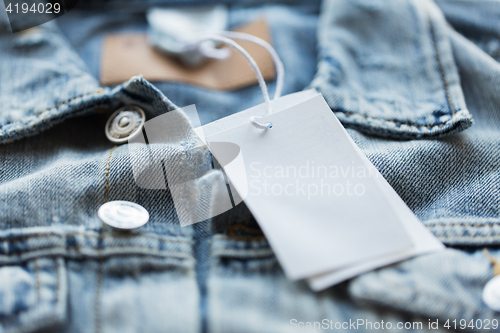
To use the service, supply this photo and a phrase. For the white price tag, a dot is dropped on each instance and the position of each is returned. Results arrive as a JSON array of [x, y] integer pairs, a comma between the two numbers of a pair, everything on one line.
[[326, 211]]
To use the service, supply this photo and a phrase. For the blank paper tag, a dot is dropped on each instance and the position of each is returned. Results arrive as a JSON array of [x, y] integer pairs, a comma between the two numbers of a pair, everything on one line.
[[130, 54], [423, 241], [326, 211]]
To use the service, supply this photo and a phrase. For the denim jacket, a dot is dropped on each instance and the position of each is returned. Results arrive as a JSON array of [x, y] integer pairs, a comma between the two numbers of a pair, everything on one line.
[[415, 82]]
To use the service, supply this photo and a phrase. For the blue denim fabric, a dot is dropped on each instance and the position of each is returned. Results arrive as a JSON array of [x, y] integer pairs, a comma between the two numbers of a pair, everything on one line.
[[404, 76], [394, 73]]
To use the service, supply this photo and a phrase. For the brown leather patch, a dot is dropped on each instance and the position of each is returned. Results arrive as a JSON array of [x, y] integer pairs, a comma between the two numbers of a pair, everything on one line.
[[127, 55]]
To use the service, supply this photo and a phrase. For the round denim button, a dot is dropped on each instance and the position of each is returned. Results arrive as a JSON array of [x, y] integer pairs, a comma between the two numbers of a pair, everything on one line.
[[123, 214], [125, 123], [491, 293]]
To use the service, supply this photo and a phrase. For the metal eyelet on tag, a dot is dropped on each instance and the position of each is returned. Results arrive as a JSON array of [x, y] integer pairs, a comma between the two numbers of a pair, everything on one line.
[[125, 123], [123, 214]]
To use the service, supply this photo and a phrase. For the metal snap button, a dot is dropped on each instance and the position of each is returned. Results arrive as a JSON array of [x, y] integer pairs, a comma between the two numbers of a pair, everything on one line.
[[123, 214], [125, 123], [491, 293]]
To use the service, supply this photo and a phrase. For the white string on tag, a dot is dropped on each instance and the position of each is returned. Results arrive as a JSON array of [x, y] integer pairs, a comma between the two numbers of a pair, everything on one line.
[[280, 70], [225, 37]]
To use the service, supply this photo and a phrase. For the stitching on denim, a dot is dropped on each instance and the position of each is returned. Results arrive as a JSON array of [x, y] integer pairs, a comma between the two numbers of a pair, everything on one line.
[[466, 224], [471, 1], [243, 253], [79, 248], [225, 238], [100, 246], [440, 63], [458, 237], [72, 234], [349, 114], [106, 191], [37, 279], [98, 90], [445, 85]]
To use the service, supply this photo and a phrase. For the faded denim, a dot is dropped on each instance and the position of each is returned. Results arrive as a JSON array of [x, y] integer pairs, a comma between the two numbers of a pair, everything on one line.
[[416, 83]]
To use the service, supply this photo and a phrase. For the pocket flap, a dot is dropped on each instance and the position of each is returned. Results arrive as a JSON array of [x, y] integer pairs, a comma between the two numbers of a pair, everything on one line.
[[392, 75]]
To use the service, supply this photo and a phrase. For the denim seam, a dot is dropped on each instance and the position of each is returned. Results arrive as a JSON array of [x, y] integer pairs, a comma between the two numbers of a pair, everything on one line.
[[225, 238], [458, 237], [98, 90], [106, 191], [465, 224], [24, 238], [445, 86], [100, 246], [440, 64], [10, 132], [254, 253], [253, 256], [349, 114], [79, 248], [471, 1], [229, 247]]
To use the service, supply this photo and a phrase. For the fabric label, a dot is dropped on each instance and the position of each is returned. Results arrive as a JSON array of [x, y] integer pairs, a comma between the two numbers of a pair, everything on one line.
[[127, 55]]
